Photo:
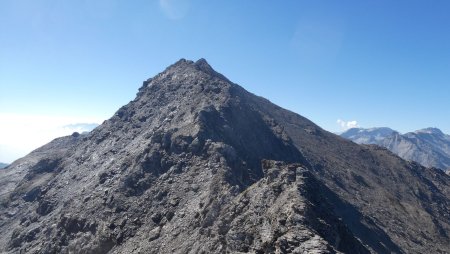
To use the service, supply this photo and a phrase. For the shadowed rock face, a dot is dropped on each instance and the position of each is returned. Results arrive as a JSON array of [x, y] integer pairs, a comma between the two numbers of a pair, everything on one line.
[[196, 164]]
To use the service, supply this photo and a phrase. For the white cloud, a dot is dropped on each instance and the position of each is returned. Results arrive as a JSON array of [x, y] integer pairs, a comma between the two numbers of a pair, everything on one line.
[[345, 125], [20, 134]]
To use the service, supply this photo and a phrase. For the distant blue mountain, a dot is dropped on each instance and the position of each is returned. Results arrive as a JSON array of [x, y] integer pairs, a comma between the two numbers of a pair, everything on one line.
[[368, 136], [3, 165], [429, 147]]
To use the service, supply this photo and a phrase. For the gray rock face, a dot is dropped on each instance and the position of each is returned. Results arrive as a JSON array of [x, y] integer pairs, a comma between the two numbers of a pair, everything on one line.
[[196, 164], [429, 147], [40, 162]]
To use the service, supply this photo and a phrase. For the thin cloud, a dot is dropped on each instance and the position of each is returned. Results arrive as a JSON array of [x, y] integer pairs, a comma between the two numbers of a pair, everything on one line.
[[174, 9], [20, 134], [318, 38], [345, 125], [79, 127]]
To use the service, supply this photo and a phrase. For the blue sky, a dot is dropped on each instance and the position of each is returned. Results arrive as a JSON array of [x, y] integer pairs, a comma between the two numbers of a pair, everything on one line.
[[366, 63]]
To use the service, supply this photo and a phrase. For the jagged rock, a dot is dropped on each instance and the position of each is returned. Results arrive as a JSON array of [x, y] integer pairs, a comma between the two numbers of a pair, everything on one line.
[[154, 233], [196, 164]]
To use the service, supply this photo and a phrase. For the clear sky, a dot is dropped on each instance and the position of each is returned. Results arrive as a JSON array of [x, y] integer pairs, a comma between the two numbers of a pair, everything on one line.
[[339, 63]]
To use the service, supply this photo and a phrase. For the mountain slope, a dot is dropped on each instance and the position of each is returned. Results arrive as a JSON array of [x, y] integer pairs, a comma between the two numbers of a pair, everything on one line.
[[389, 193], [37, 162], [190, 166], [429, 147]]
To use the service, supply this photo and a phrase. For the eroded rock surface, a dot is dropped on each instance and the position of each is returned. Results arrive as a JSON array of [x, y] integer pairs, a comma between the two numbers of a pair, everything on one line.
[[196, 164]]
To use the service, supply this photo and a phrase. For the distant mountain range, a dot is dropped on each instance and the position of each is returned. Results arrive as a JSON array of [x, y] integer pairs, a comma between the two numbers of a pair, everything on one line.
[[368, 136], [429, 147], [3, 165]]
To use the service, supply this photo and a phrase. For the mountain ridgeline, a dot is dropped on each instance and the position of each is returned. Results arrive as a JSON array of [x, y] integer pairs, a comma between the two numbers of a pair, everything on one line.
[[429, 147], [196, 164]]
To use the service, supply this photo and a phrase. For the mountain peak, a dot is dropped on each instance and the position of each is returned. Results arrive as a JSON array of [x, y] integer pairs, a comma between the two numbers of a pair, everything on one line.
[[200, 65], [187, 73], [428, 146], [430, 130], [197, 163]]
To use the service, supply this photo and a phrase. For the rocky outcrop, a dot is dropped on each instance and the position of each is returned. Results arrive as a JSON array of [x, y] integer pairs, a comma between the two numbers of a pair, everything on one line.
[[196, 164]]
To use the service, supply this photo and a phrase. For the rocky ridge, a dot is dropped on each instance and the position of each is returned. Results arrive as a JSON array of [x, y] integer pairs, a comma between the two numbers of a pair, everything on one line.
[[196, 164]]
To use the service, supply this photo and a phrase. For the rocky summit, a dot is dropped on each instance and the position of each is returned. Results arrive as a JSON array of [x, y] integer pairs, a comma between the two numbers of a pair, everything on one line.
[[196, 164]]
